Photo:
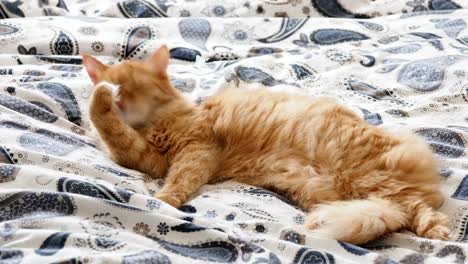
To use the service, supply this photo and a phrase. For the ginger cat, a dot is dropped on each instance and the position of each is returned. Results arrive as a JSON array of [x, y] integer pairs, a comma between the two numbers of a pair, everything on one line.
[[356, 181]]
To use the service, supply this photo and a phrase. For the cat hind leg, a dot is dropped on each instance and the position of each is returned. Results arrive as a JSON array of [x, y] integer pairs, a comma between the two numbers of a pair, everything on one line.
[[356, 221]]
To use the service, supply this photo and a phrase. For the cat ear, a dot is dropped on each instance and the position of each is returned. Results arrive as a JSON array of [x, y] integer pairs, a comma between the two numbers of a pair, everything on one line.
[[159, 60], [94, 67]]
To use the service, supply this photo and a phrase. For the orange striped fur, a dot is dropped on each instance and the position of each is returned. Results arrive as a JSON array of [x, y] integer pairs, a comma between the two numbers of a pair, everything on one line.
[[357, 181]]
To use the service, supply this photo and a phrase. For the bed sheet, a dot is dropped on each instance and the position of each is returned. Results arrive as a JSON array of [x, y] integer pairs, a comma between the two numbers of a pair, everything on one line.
[[400, 64]]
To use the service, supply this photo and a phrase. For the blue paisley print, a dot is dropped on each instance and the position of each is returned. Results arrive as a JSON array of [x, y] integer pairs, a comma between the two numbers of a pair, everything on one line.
[[399, 65]]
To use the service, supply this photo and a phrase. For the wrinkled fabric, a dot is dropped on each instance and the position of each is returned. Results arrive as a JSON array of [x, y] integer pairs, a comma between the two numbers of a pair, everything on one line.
[[400, 64]]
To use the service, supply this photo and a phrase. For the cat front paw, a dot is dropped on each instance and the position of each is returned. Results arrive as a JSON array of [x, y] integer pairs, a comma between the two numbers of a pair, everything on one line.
[[102, 99], [169, 199]]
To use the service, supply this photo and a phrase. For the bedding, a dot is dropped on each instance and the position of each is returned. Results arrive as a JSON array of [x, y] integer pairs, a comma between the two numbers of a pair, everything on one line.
[[400, 64]]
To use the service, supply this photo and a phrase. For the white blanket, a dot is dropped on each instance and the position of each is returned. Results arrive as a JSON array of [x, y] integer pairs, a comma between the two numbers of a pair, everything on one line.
[[63, 200]]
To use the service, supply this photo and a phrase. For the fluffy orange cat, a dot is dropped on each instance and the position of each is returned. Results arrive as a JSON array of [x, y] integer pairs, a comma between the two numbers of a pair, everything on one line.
[[356, 181]]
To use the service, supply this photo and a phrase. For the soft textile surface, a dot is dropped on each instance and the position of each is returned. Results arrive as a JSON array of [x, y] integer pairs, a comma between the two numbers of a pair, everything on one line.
[[62, 199]]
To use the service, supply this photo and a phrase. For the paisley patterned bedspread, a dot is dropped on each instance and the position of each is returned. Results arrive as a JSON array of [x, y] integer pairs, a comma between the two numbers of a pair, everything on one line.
[[401, 64]]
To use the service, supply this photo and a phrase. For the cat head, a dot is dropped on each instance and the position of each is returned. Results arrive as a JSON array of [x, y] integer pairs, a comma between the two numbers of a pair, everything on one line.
[[142, 86]]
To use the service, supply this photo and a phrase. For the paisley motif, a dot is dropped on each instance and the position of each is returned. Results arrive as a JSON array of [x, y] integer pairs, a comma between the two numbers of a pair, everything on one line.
[[66, 68], [102, 225], [136, 38], [50, 142], [61, 4], [288, 27], [332, 8], [10, 9], [306, 255], [405, 49], [340, 56], [60, 59], [29, 205], [187, 228], [42, 106], [443, 5], [187, 208], [4, 71], [253, 212], [372, 26], [8, 172], [53, 244], [425, 35], [314, 54], [7, 29], [462, 235], [184, 54], [34, 73], [104, 244], [23, 50], [301, 72], [70, 185], [195, 31], [13, 125], [451, 27], [11, 256], [63, 96], [413, 258], [426, 75], [359, 251], [272, 259], [371, 92], [462, 191], [146, 257], [27, 108], [247, 249], [7, 231], [445, 172], [6, 156], [334, 36], [398, 113], [444, 142], [215, 251], [63, 43], [143, 8], [254, 75], [370, 61], [29, 78], [425, 13], [292, 236], [455, 250], [184, 85], [372, 118], [432, 39]]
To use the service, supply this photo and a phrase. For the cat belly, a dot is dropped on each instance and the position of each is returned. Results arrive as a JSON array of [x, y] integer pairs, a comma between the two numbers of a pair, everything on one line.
[[269, 122], [288, 172]]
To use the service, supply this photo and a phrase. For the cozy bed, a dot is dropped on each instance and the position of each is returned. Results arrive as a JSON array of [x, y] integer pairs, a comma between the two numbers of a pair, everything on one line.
[[400, 64]]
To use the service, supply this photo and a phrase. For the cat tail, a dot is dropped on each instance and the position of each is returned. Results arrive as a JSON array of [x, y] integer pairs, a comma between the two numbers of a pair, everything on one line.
[[356, 221]]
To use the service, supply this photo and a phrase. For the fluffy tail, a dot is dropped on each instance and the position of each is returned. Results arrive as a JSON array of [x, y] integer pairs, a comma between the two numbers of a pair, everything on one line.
[[356, 221]]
